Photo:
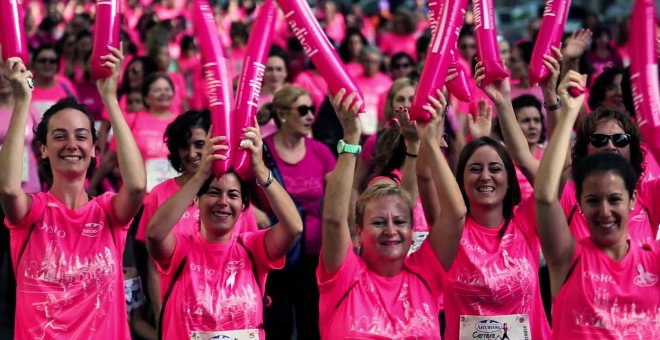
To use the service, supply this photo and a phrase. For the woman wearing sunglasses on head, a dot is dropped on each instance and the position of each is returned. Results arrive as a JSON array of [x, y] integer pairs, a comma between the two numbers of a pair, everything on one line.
[[304, 165], [603, 286]]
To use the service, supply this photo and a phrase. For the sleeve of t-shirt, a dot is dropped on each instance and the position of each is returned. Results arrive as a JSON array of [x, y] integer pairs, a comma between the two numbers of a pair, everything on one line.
[[105, 201], [256, 243], [334, 286], [33, 216], [425, 263], [167, 266]]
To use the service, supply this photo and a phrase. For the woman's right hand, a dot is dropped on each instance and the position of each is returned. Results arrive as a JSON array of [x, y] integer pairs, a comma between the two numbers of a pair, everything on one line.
[[481, 125], [347, 113], [209, 155], [18, 75], [498, 91], [433, 130], [570, 104]]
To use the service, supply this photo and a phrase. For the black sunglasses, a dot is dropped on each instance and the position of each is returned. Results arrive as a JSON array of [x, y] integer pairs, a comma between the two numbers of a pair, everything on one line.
[[303, 110], [400, 66], [619, 140], [47, 60]]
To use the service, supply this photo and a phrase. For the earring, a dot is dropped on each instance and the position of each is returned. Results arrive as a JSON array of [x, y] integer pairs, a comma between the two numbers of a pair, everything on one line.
[[283, 120]]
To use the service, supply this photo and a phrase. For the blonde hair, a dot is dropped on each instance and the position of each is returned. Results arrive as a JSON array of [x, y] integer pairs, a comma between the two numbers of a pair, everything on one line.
[[397, 86], [381, 190], [282, 100]]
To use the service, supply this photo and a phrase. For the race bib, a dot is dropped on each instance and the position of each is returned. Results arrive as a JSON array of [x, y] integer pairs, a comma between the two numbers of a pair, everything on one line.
[[418, 238], [513, 327], [25, 174], [158, 170], [240, 334]]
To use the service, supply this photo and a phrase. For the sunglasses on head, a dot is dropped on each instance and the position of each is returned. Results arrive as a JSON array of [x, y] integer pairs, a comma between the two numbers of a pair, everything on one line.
[[619, 140], [303, 110]]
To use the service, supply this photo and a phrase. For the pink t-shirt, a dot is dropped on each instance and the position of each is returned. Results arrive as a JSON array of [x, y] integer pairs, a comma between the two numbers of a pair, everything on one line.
[[391, 44], [356, 303], [189, 222], [44, 98], [217, 289], [304, 181], [180, 92], [372, 88], [526, 188], [495, 273], [639, 225], [354, 68], [314, 84], [69, 281], [30, 175], [606, 299]]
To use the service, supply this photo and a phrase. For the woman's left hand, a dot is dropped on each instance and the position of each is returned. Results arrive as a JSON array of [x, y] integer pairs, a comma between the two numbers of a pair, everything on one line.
[[481, 126], [408, 128], [108, 87], [432, 131]]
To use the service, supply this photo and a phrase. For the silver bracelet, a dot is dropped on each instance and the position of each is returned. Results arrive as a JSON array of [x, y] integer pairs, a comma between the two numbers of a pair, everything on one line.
[[268, 181]]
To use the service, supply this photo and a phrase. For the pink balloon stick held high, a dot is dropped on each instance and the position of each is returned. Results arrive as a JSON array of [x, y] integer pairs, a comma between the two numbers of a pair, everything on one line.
[[106, 33], [216, 73], [550, 34], [249, 85], [488, 48], [12, 34], [316, 45], [644, 73]]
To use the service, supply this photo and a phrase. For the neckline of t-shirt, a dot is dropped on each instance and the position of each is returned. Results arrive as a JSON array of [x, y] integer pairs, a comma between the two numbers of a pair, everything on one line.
[[483, 229], [54, 200], [212, 245]]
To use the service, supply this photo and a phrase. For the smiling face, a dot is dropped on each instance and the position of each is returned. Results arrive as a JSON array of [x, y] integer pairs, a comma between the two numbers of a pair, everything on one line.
[[192, 155], [160, 95], [220, 206], [485, 178], [609, 127], [276, 73], [45, 64], [291, 120], [386, 232], [606, 204], [613, 95], [529, 119], [69, 143], [403, 97]]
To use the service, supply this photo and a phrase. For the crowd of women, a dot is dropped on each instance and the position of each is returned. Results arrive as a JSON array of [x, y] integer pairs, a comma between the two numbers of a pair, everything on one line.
[[529, 213]]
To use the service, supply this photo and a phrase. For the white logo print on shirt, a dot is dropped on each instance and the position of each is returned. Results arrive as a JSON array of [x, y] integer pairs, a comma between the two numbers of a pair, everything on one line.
[[645, 279]]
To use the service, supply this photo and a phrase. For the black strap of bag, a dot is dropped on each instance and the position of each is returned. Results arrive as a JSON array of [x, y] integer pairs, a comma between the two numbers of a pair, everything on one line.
[[176, 276]]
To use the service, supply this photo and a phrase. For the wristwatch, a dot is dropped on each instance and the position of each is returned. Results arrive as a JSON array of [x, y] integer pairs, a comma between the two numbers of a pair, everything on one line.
[[554, 107], [342, 147]]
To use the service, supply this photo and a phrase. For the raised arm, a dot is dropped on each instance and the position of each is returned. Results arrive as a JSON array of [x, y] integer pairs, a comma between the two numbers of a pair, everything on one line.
[[499, 93], [411, 139], [447, 229], [336, 202], [160, 239], [556, 240], [131, 166], [15, 202], [282, 236]]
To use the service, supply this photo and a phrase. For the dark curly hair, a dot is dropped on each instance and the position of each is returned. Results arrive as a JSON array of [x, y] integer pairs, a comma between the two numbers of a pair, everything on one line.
[[527, 100], [245, 190], [604, 162], [179, 131], [601, 85], [602, 115], [512, 197]]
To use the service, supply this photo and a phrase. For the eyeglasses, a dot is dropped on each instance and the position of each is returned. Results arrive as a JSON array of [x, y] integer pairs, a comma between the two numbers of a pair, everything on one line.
[[466, 46], [303, 110], [619, 140], [47, 60], [400, 66]]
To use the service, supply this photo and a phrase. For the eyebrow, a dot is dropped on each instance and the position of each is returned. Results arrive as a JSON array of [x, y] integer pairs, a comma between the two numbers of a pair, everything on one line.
[[66, 131]]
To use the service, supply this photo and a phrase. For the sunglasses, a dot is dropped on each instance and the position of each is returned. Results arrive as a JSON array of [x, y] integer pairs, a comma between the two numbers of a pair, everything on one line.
[[400, 66], [303, 110], [466, 46], [619, 140], [47, 60]]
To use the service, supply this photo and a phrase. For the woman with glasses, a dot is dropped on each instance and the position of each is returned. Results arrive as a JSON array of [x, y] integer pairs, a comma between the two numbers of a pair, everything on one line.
[[49, 85], [402, 65], [604, 286], [303, 164]]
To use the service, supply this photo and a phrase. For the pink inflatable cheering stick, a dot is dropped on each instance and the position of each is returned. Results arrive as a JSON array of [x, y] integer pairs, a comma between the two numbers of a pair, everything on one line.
[[488, 48], [438, 58], [644, 73], [106, 33], [249, 85], [550, 34], [216, 74], [12, 34], [316, 45]]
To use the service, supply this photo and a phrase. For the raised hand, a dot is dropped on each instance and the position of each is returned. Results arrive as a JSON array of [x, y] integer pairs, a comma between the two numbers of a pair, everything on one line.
[[408, 128], [433, 130], [498, 91], [347, 113], [251, 140], [570, 104], [108, 87], [209, 156], [18, 75], [577, 43], [481, 126], [553, 64]]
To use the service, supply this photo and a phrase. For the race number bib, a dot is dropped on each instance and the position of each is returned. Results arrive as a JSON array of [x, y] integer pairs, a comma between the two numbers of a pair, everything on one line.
[[25, 174], [418, 238], [158, 170], [513, 327], [241, 334]]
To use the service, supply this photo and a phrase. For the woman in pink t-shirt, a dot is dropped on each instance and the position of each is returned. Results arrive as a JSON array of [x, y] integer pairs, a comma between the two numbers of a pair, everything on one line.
[[381, 293], [67, 246], [350, 50], [275, 77], [215, 278], [49, 87], [603, 286]]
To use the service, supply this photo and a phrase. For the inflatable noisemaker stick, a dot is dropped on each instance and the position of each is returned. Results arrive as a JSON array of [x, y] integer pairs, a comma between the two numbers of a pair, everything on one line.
[[216, 74], [106, 33], [459, 86], [550, 34], [438, 57], [12, 34], [249, 85], [644, 73], [487, 46], [316, 45]]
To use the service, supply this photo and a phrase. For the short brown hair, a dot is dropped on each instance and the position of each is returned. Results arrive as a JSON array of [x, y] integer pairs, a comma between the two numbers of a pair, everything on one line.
[[378, 191]]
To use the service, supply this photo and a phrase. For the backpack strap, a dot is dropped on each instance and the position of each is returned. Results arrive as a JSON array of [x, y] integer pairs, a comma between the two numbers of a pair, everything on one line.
[[176, 276], [20, 254], [570, 216], [266, 300]]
